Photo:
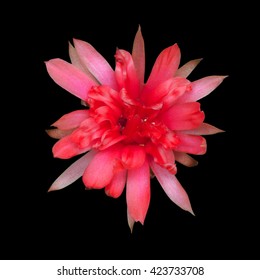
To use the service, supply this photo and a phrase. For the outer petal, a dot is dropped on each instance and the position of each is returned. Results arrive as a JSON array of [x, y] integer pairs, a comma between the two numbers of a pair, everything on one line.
[[204, 129], [191, 144], [172, 187], [130, 221], [100, 171], [138, 192], [165, 67], [69, 77], [183, 116], [187, 68], [58, 133], [65, 148], [72, 173], [185, 159], [138, 54], [117, 185], [201, 88], [71, 120], [95, 63], [75, 60]]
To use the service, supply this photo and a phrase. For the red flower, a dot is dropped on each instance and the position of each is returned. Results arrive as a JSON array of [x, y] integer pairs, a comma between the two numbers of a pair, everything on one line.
[[130, 128]]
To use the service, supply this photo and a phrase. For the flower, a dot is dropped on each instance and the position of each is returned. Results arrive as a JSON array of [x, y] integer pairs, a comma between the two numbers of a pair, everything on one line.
[[129, 128]]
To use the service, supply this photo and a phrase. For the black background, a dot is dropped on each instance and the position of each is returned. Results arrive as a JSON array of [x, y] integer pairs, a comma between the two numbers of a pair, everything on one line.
[[78, 224]]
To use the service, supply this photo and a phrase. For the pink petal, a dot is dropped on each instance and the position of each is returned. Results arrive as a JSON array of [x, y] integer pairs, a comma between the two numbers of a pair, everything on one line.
[[69, 77], [204, 129], [100, 171], [73, 172], [65, 148], [185, 159], [138, 192], [95, 63], [164, 67], [138, 54], [126, 74], [191, 144], [75, 60], [58, 133], [187, 68], [71, 120], [117, 185], [201, 88], [183, 116], [172, 187]]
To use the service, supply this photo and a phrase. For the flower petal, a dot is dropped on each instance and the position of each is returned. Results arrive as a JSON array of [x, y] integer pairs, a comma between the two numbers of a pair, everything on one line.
[[126, 74], [204, 129], [100, 171], [191, 144], [65, 148], [130, 221], [71, 120], [183, 116], [166, 92], [75, 60], [164, 67], [133, 156], [163, 157], [138, 192], [187, 68], [95, 63], [69, 77], [201, 88], [73, 172], [138, 54], [172, 187], [185, 159], [117, 185], [58, 133]]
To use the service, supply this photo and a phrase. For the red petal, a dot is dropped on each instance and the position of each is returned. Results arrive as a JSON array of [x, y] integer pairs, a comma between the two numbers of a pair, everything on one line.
[[100, 171], [164, 67], [138, 192], [125, 72], [183, 116], [133, 156], [71, 120], [116, 186], [65, 148], [191, 144]]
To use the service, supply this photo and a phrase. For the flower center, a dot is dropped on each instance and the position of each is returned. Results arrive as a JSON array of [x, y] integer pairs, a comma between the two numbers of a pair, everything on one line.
[[122, 122], [120, 117]]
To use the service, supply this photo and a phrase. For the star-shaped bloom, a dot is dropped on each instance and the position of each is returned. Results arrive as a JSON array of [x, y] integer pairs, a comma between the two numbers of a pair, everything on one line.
[[130, 128]]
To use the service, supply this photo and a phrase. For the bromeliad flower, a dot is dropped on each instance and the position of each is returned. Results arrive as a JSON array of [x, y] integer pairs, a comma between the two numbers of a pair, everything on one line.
[[130, 128]]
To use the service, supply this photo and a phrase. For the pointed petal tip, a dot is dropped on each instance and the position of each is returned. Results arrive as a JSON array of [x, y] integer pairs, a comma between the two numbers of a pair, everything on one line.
[[191, 211], [51, 188]]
